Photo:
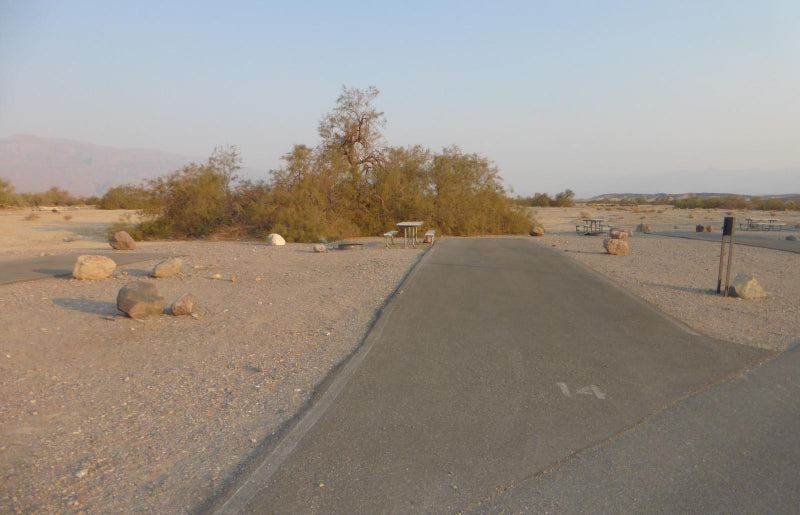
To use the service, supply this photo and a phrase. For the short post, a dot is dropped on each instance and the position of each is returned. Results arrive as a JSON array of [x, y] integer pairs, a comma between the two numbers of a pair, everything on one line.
[[732, 232]]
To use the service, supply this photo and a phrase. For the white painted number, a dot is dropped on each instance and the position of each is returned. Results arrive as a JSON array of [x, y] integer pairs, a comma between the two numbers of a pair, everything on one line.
[[586, 390]]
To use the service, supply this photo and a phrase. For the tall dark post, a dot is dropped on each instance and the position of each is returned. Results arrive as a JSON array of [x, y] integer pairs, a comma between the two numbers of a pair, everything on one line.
[[721, 264], [732, 232]]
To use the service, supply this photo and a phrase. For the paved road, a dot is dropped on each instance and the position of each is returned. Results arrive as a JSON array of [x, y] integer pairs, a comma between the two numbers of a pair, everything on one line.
[[499, 360], [731, 449], [62, 265], [768, 240]]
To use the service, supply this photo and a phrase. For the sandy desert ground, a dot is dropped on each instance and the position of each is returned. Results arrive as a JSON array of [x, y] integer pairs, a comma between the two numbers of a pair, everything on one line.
[[104, 414], [101, 413]]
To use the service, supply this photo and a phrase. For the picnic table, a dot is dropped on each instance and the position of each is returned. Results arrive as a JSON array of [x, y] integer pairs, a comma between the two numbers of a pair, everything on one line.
[[761, 224], [409, 232], [592, 226]]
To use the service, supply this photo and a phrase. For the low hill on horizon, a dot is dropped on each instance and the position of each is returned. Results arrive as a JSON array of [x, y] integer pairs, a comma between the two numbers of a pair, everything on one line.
[[616, 197]]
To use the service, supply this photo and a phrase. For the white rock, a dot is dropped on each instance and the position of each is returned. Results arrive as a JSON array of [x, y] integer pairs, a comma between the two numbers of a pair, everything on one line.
[[275, 239], [746, 287], [93, 267]]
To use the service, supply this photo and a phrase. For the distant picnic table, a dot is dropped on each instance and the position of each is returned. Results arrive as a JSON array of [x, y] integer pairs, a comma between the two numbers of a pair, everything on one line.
[[593, 226], [409, 232], [761, 224]]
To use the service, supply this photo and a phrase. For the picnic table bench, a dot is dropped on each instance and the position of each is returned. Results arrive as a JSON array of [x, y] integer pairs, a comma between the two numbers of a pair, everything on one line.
[[389, 237]]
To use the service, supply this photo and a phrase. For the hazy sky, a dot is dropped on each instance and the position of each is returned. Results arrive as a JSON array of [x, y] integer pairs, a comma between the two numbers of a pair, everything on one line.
[[593, 96]]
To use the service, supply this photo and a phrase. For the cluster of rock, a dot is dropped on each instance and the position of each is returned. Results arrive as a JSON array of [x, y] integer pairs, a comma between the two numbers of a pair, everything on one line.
[[616, 243], [138, 299], [701, 228], [537, 230], [643, 227], [141, 300]]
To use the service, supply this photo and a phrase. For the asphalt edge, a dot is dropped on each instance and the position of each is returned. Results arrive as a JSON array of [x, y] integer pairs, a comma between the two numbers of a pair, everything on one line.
[[253, 472]]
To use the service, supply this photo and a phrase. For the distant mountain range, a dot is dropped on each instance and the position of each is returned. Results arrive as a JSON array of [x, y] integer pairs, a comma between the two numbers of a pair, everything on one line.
[[34, 163], [616, 197]]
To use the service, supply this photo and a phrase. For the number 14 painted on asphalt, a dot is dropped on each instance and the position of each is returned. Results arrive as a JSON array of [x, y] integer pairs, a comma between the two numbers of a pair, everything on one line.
[[586, 390]]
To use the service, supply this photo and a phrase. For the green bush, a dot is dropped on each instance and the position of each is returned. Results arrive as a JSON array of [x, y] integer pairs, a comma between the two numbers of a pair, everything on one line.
[[194, 201], [125, 197]]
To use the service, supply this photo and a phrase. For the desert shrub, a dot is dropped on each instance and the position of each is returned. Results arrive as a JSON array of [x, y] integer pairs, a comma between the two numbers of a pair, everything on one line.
[[193, 201], [565, 198], [31, 217], [537, 200], [125, 197], [52, 197], [8, 196], [348, 185], [67, 217], [585, 214]]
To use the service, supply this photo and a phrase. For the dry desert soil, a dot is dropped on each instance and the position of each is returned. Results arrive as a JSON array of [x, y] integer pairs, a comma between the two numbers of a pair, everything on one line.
[[100, 413]]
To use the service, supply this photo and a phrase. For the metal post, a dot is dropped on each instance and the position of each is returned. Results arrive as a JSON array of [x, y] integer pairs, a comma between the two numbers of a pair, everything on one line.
[[721, 263], [730, 257]]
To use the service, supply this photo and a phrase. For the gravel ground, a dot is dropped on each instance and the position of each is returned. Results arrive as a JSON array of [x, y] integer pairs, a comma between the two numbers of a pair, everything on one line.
[[679, 276], [104, 414]]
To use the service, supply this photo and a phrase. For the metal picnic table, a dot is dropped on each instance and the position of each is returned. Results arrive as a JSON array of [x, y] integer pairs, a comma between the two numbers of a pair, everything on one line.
[[409, 232], [591, 225], [761, 224]]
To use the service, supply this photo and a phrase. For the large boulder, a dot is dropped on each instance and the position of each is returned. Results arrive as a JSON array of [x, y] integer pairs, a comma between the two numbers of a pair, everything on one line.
[[709, 228], [320, 248], [275, 239], [122, 241], [537, 231], [746, 287], [618, 234], [168, 268], [93, 267], [699, 228], [140, 300], [643, 227], [616, 247], [184, 305]]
